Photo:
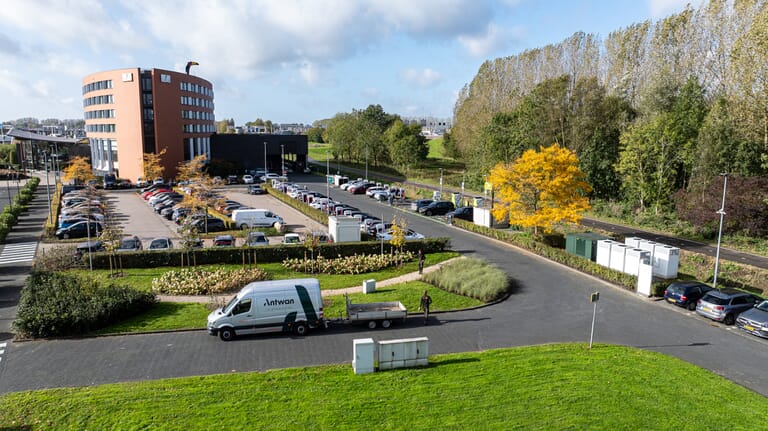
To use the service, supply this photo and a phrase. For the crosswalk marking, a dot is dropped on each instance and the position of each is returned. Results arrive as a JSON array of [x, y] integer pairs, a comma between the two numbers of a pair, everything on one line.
[[2, 350], [17, 253]]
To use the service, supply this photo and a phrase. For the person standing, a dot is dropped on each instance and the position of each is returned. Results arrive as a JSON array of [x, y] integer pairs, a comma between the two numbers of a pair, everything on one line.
[[426, 301], [421, 262]]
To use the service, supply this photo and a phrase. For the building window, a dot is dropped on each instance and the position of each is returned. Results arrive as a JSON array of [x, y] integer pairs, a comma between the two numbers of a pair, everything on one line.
[[127, 77], [164, 77]]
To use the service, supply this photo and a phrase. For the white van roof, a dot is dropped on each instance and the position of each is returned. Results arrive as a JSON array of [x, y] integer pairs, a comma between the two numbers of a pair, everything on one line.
[[273, 285]]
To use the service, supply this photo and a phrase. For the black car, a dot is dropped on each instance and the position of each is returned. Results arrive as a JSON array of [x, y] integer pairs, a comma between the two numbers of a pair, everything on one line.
[[232, 179], [420, 203], [224, 241], [130, 244], [80, 230], [437, 208], [464, 213], [214, 225], [686, 293]]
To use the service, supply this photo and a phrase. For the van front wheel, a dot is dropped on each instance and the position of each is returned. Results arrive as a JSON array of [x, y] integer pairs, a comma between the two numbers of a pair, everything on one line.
[[300, 329], [244, 226], [227, 334]]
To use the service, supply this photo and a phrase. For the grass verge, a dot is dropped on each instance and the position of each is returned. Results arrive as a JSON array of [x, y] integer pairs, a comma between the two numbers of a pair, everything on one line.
[[538, 387]]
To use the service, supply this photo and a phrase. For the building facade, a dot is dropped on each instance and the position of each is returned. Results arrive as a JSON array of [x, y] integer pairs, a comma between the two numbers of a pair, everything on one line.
[[130, 112]]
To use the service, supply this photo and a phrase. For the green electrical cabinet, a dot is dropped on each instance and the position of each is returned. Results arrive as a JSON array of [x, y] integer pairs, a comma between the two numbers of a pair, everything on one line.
[[583, 244]]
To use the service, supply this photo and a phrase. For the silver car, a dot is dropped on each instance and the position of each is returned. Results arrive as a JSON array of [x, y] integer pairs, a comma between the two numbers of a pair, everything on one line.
[[755, 321], [725, 305]]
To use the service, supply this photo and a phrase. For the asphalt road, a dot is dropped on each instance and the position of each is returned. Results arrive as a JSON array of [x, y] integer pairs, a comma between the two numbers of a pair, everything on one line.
[[550, 304]]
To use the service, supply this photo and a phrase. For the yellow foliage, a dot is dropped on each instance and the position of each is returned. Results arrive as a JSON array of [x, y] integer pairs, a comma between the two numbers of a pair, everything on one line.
[[540, 189], [79, 170], [152, 167]]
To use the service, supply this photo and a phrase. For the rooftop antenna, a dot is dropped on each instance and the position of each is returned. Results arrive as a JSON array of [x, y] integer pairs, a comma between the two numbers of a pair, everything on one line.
[[190, 64]]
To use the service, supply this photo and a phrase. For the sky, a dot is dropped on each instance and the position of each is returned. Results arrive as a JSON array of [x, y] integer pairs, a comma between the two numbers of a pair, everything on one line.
[[289, 61]]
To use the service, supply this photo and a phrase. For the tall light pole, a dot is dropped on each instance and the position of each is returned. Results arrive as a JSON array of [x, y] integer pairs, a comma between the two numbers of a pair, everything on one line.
[[282, 159], [48, 187], [441, 183], [327, 181], [265, 159], [366, 162], [721, 211]]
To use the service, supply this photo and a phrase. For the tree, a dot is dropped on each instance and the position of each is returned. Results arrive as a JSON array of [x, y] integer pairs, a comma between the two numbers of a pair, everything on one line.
[[315, 134], [152, 167], [405, 144], [541, 189], [192, 169], [79, 170]]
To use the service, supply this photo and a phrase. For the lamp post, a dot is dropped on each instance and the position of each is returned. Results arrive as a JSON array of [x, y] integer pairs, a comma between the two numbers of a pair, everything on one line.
[[721, 211], [282, 159], [327, 183], [441, 183], [48, 186], [366, 162], [265, 159]]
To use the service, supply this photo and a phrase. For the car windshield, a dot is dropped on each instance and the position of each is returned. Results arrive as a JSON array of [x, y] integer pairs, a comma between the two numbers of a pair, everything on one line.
[[675, 288], [128, 243], [763, 306], [714, 300]]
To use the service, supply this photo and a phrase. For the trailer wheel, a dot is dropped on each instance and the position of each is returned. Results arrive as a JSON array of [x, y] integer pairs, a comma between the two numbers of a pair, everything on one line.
[[385, 324], [300, 329], [227, 334], [372, 324]]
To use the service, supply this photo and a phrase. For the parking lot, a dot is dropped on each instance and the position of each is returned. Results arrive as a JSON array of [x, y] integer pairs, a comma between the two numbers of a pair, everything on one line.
[[136, 217]]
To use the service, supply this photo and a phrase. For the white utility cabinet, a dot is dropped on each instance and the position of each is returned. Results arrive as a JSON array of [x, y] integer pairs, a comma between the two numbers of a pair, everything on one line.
[[604, 252], [618, 251], [363, 355], [344, 229]]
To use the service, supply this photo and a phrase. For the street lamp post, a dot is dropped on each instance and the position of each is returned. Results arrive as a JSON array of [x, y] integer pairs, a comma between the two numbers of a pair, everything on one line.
[[721, 211], [366, 162], [282, 159], [48, 186], [327, 184], [265, 160], [441, 183]]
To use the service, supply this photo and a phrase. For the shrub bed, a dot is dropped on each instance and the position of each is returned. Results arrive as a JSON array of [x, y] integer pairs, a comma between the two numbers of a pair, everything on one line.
[[10, 214], [356, 264], [470, 277], [57, 304], [201, 282]]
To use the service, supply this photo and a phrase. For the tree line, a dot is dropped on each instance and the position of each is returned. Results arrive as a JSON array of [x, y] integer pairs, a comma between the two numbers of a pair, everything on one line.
[[655, 112], [371, 135]]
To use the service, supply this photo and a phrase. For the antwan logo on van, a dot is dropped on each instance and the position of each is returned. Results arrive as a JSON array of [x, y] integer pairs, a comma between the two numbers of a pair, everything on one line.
[[273, 302]]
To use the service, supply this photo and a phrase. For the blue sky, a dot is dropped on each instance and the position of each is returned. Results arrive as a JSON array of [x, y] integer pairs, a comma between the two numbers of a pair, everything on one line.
[[286, 60]]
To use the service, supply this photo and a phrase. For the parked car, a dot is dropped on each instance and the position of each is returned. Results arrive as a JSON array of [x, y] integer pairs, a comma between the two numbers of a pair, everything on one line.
[[224, 241], [465, 213], [255, 189], [387, 235], [686, 293], [725, 305], [160, 244], [437, 208], [80, 230], [291, 238], [130, 244], [232, 179], [213, 225], [755, 320], [268, 177], [320, 237], [420, 203], [89, 247], [247, 179], [256, 239]]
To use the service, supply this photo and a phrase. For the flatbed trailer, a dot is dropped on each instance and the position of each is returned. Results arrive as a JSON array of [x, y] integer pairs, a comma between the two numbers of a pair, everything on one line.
[[376, 313]]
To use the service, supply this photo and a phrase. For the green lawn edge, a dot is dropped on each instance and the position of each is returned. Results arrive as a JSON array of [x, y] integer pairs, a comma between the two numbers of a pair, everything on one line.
[[547, 387]]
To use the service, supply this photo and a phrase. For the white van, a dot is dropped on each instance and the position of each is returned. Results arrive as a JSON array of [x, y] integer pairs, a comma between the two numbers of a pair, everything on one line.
[[270, 306], [249, 218]]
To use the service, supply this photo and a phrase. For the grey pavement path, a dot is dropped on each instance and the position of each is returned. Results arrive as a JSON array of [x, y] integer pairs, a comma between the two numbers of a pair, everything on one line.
[[28, 230], [411, 276]]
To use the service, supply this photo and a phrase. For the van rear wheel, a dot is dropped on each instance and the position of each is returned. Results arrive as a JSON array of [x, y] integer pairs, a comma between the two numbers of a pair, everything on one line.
[[300, 329], [227, 334], [385, 324], [372, 324]]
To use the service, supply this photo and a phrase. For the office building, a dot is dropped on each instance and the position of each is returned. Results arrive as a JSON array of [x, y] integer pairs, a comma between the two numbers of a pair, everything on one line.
[[130, 112]]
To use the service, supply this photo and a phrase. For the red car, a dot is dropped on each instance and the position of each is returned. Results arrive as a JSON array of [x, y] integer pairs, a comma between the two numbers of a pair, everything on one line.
[[147, 195]]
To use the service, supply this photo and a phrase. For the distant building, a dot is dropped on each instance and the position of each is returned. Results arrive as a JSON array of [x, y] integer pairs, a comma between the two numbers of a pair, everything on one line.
[[130, 112], [250, 152]]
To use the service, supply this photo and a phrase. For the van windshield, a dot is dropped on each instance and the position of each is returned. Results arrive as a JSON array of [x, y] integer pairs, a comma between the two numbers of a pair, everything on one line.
[[227, 308]]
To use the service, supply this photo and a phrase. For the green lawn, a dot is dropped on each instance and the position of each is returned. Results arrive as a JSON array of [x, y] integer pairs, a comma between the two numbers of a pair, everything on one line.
[[163, 316], [407, 293], [141, 278], [436, 150], [549, 387]]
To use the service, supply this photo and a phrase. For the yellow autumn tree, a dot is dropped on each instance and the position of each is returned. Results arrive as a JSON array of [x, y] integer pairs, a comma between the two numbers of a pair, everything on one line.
[[192, 170], [540, 189], [79, 170], [152, 167]]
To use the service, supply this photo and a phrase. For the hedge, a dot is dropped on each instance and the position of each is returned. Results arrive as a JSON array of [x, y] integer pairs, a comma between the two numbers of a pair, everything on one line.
[[10, 214], [245, 255], [58, 304]]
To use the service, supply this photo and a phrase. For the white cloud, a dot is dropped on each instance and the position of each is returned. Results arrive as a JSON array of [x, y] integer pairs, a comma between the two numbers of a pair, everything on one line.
[[662, 8], [494, 39], [420, 78], [309, 73]]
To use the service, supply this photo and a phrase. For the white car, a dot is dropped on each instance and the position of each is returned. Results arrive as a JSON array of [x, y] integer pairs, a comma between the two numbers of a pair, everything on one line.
[[269, 177], [291, 238], [247, 179], [370, 192], [409, 234]]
